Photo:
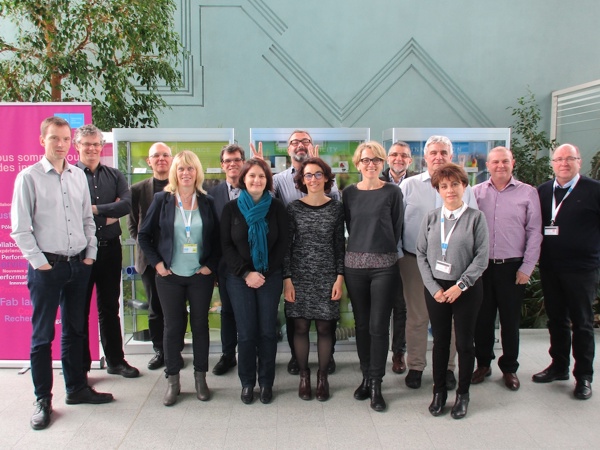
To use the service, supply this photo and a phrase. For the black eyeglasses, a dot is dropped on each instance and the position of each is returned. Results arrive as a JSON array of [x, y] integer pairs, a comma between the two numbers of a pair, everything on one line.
[[230, 161], [297, 142], [376, 161], [309, 176]]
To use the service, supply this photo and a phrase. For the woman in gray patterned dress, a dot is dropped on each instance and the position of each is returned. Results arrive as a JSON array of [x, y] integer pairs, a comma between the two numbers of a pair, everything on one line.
[[314, 269]]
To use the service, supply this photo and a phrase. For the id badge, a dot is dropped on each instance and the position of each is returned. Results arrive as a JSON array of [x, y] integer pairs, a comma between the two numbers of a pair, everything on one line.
[[551, 231], [190, 248], [443, 266]]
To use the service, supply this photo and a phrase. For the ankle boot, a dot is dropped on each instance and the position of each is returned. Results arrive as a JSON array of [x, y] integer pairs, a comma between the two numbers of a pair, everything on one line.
[[377, 401], [322, 386], [304, 389], [437, 404], [362, 392], [173, 389], [202, 391], [459, 410]]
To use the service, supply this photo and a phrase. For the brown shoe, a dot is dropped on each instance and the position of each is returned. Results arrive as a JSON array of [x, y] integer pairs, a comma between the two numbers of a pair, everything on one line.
[[322, 386], [304, 389], [398, 364], [480, 374], [511, 381]]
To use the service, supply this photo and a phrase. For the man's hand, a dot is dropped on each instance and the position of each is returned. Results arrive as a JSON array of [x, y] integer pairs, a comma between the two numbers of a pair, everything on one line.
[[257, 154], [88, 261], [521, 278]]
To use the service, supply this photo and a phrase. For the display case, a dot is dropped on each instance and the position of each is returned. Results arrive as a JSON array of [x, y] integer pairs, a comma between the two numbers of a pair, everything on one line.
[[130, 153], [470, 145]]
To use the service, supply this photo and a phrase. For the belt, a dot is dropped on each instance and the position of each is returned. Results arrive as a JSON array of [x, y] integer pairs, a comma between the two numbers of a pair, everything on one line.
[[109, 243], [507, 260], [53, 257]]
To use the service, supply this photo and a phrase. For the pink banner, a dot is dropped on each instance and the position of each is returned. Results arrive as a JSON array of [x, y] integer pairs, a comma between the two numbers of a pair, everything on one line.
[[19, 148]]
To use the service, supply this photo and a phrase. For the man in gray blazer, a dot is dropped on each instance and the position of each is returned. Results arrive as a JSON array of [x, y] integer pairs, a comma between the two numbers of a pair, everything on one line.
[[142, 193]]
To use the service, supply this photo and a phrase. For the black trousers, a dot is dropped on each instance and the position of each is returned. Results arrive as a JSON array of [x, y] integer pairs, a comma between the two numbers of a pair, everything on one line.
[[106, 277], [501, 295], [568, 299], [399, 318], [156, 321], [228, 326], [464, 312]]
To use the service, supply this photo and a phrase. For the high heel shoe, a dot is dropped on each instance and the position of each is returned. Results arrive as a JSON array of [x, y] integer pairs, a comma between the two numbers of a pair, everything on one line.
[[437, 404], [173, 389], [459, 410]]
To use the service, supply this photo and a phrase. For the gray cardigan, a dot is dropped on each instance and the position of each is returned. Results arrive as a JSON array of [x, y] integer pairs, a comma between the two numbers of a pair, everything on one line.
[[467, 250]]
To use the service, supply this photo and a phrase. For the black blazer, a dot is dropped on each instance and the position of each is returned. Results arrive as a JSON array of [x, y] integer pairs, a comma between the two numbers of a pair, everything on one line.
[[141, 199], [156, 235], [221, 196]]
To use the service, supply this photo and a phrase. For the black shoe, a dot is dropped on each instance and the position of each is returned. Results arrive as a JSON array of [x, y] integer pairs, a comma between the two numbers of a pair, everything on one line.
[[123, 369], [247, 395], [331, 366], [377, 401], [583, 389], [450, 380], [413, 379], [266, 394], [362, 392], [293, 368], [437, 404], [41, 415], [550, 374], [88, 395], [459, 410], [157, 361], [225, 363]]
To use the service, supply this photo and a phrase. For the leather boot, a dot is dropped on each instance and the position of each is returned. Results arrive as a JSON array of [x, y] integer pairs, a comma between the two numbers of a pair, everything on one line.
[[202, 391], [437, 404], [173, 389], [304, 389], [377, 401], [459, 410], [322, 386], [362, 392]]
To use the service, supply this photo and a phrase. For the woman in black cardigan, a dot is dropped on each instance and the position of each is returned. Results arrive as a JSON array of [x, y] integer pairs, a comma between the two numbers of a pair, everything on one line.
[[180, 238]]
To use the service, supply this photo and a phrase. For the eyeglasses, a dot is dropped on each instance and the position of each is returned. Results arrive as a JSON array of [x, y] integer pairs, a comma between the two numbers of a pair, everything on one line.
[[87, 145], [568, 159], [401, 155], [231, 161], [309, 176], [297, 142], [376, 161], [158, 155]]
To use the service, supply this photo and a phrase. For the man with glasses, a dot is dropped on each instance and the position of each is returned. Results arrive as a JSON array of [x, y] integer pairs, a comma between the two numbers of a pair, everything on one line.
[[111, 200], [420, 197], [300, 148], [53, 226], [398, 160], [159, 159], [232, 160], [569, 268]]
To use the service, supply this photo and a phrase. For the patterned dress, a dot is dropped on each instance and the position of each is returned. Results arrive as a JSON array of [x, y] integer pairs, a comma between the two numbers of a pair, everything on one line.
[[315, 258]]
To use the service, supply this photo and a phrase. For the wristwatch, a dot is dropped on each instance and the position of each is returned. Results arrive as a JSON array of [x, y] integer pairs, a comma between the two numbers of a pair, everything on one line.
[[462, 286]]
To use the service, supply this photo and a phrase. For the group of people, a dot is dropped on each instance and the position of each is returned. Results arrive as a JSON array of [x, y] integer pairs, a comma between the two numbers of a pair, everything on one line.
[[420, 249]]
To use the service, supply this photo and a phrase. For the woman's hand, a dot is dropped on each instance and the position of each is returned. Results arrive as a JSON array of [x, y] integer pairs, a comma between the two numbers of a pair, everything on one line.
[[204, 270], [336, 292], [257, 154], [160, 269], [289, 292], [255, 280], [452, 294], [439, 296]]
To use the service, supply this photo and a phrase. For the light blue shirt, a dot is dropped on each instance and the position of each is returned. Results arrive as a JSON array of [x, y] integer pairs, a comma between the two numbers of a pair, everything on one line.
[[186, 264]]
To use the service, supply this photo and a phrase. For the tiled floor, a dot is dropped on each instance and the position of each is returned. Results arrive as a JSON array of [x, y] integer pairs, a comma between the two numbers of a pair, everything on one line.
[[536, 416]]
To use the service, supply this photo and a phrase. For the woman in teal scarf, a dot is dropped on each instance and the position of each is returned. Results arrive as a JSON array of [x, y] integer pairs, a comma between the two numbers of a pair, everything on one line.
[[254, 240]]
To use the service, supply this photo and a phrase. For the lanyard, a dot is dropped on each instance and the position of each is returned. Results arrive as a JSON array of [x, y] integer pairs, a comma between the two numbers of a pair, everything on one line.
[[555, 207], [187, 221], [445, 239]]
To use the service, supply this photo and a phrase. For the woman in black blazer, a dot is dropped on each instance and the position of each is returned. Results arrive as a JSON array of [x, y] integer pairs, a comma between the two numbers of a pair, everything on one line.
[[180, 238]]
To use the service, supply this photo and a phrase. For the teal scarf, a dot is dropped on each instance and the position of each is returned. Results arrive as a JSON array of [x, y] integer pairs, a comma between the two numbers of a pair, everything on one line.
[[255, 215]]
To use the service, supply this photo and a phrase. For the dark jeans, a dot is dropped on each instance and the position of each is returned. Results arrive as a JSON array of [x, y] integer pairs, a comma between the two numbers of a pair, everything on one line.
[[65, 286], [464, 311], [256, 318], [399, 319], [372, 293], [500, 295], [106, 276], [228, 326], [156, 320], [174, 292], [568, 298]]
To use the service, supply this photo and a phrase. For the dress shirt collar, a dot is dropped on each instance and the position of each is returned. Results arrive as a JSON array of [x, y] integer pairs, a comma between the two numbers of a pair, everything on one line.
[[511, 182], [567, 185], [47, 165]]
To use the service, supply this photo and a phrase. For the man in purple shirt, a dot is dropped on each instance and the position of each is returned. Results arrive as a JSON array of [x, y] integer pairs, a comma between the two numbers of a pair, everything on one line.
[[513, 214]]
